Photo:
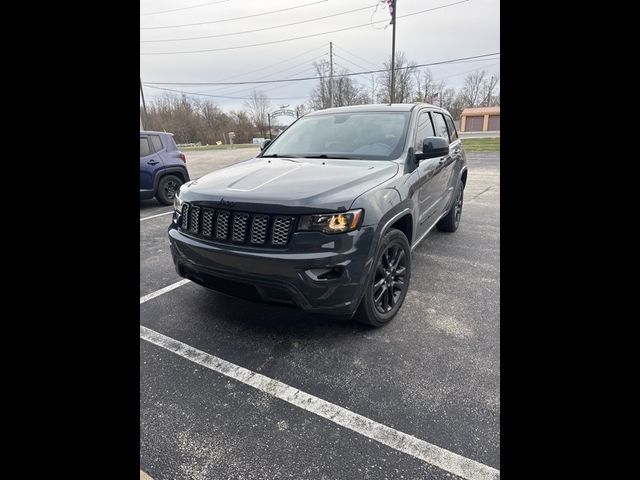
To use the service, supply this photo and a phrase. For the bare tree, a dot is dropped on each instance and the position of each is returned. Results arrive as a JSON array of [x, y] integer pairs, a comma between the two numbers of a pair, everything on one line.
[[473, 87], [301, 110], [346, 90], [405, 72], [213, 120], [320, 98], [456, 102], [259, 106], [489, 87]]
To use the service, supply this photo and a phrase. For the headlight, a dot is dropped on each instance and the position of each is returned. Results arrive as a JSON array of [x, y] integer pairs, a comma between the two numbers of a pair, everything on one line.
[[331, 222], [177, 203]]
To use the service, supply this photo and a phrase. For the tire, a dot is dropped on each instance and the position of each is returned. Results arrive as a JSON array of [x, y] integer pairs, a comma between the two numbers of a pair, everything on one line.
[[450, 222], [168, 186], [394, 248]]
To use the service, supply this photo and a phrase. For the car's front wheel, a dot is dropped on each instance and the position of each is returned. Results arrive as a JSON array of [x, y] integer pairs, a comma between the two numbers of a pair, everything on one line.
[[388, 282], [168, 188]]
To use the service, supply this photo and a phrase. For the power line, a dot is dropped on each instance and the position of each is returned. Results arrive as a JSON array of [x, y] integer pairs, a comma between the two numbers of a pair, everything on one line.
[[277, 63], [352, 63], [214, 96], [356, 56], [233, 91], [184, 8], [453, 60], [262, 69], [468, 71], [235, 18], [276, 88], [257, 29], [304, 36], [291, 67], [424, 65]]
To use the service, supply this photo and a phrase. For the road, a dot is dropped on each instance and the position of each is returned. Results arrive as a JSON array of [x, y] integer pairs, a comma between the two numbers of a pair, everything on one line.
[[432, 374]]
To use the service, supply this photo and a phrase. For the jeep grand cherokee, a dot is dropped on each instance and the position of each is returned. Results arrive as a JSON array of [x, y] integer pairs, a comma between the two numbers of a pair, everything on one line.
[[326, 216]]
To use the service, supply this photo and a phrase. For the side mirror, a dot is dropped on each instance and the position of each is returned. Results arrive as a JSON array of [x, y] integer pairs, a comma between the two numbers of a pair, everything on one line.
[[265, 144], [433, 147]]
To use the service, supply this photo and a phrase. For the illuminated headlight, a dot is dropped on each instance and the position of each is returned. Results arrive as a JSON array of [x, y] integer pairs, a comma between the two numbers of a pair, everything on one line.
[[177, 203], [331, 222]]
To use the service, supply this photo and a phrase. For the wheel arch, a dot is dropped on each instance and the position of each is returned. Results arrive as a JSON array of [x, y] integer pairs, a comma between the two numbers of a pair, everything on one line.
[[177, 171]]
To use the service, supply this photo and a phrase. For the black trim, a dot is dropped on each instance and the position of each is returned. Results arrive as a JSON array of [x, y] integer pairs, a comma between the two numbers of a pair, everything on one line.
[[182, 171]]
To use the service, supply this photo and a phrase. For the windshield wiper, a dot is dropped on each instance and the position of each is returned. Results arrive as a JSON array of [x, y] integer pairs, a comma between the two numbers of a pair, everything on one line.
[[326, 156]]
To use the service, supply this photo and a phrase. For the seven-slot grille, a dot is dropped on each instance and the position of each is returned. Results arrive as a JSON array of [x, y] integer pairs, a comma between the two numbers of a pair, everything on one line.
[[236, 227]]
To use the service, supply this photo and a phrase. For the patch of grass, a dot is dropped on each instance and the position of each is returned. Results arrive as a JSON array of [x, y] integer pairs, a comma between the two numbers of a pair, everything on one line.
[[218, 147], [481, 144]]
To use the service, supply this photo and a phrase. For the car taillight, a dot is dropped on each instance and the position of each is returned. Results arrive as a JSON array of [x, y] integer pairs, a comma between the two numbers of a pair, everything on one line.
[[183, 158]]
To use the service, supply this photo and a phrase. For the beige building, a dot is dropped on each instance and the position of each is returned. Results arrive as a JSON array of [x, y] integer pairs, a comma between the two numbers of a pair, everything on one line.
[[483, 119]]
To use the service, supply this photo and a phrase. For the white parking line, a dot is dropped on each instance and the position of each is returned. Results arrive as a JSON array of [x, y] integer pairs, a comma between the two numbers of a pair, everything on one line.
[[432, 454], [154, 216], [157, 293]]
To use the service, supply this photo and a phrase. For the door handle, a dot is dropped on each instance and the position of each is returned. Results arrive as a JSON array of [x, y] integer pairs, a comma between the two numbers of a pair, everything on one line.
[[152, 162]]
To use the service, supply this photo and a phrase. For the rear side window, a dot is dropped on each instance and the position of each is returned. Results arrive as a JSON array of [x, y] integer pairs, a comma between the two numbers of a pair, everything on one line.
[[452, 128], [171, 143], [424, 130], [156, 143], [144, 147], [441, 125]]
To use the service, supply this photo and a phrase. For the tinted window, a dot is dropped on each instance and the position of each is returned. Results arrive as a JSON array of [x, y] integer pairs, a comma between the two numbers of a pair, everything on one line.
[[452, 128], [424, 130], [441, 125], [361, 135], [156, 142], [144, 147]]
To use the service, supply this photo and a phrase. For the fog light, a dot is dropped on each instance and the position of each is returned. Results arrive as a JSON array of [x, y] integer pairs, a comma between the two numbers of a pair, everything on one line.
[[328, 273]]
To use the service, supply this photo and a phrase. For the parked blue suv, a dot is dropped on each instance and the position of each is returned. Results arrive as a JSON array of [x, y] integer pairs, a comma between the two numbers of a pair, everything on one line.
[[162, 167]]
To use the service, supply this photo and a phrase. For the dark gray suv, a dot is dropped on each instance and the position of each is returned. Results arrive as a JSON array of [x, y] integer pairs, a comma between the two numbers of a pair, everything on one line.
[[326, 216]]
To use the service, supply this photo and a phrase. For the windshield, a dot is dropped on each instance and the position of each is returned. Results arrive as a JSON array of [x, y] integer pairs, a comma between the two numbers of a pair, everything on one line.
[[365, 135]]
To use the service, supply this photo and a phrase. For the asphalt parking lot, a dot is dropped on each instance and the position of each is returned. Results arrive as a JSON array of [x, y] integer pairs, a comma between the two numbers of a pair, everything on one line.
[[432, 374]]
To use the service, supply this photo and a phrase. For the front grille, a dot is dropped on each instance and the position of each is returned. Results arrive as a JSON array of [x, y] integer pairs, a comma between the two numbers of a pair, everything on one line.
[[194, 219], [237, 227], [281, 228], [207, 222], [222, 225], [259, 229]]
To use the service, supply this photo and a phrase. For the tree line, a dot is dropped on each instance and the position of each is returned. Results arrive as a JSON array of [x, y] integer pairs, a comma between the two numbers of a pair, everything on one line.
[[193, 120]]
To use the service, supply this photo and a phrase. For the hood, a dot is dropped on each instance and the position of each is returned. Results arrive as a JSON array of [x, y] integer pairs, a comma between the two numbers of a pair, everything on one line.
[[291, 183]]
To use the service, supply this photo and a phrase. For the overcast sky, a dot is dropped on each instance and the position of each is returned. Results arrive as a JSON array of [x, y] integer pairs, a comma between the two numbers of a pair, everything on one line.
[[463, 30]]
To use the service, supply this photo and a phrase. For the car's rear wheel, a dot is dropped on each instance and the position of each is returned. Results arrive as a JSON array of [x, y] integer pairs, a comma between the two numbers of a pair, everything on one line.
[[388, 283], [168, 188], [450, 222]]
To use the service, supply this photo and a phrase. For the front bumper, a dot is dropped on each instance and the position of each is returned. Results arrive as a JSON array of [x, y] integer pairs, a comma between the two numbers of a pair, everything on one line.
[[319, 273]]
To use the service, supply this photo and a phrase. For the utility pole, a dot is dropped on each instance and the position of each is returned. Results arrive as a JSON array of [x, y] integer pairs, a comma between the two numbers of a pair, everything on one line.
[[331, 74], [393, 52], [373, 89], [490, 88], [144, 105]]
